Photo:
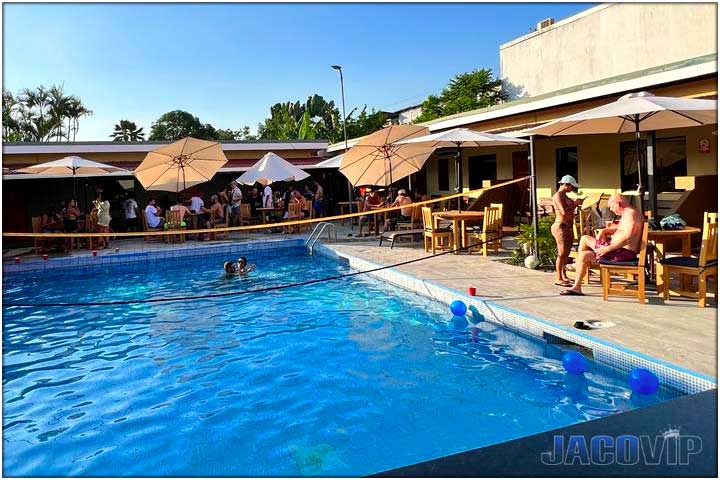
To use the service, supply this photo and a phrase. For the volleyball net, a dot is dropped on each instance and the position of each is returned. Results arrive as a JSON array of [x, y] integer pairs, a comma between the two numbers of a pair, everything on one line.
[[356, 227]]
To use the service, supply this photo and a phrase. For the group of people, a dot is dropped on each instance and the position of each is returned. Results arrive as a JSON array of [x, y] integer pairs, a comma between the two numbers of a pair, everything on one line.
[[67, 220], [373, 201], [618, 241]]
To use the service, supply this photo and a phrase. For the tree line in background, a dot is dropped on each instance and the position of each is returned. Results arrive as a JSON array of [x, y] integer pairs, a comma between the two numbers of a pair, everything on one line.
[[49, 115], [41, 115]]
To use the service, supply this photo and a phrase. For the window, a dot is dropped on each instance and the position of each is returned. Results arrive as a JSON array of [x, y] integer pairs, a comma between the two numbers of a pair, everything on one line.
[[443, 174], [670, 162], [481, 167], [566, 163]]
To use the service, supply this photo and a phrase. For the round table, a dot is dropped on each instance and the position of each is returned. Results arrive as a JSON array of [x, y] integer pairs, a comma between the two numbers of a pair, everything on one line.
[[659, 238], [458, 220]]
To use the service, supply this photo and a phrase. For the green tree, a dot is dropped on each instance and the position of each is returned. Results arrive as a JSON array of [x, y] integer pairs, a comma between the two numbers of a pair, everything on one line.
[[316, 118], [180, 124], [365, 123], [127, 131], [467, 91], [41, 114]]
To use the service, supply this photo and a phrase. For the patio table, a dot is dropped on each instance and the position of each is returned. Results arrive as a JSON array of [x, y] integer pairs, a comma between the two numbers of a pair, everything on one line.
[[659, 237], [458, 221], [265, 211]]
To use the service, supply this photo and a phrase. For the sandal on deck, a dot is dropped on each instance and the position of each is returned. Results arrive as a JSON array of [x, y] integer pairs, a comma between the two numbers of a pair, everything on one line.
[[564, 284], [571, 293]]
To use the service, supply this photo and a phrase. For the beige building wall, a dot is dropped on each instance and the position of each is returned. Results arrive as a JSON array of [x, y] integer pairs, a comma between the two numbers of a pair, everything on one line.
[[598, 160], [607, 41]]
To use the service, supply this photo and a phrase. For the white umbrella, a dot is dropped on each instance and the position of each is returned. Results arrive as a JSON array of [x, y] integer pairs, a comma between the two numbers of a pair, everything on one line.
[[634, 112], [333, 162], [463, 137], [72, 166], [271, 168]]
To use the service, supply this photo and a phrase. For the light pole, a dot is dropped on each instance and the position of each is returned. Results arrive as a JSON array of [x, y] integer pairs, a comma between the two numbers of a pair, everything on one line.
[[342, 95]]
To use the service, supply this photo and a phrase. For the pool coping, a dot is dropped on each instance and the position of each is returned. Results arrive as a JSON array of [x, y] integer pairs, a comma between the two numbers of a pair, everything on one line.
[[608, 353]]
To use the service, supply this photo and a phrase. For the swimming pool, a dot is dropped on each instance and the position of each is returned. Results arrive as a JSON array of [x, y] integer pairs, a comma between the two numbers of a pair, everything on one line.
[[350, 377]]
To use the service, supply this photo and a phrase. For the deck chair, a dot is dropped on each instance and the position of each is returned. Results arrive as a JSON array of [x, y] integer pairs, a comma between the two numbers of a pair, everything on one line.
[[294, 213], [491, 235], [174, 229], [405, 229], [635, 268], [434, 234], [246, 217], [702, 266]]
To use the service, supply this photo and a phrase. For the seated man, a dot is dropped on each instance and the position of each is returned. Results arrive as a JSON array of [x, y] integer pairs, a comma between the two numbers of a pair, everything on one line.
[[152, 215], [372, 202], [405, 213], [623, 247]]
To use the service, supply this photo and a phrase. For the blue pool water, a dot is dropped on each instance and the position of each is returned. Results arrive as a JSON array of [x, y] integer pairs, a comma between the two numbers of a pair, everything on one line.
[[345, 378]]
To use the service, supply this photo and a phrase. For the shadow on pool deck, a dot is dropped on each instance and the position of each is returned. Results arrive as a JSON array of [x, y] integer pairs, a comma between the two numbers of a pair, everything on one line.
[[694, 415]]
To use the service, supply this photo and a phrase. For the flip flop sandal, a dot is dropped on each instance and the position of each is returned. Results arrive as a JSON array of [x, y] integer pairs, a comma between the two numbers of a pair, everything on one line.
[[564, 284], [571, 293]]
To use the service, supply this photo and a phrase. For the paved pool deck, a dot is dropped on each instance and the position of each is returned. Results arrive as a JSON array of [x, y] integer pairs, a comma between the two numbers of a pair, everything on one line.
[[677, 331]]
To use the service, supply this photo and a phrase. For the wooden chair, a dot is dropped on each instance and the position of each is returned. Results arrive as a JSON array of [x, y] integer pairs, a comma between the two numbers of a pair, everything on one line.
[[635, 268], [433, 233], [702, 266], [582, 225], [415, 220], [294, 213], [492, 229], [91, 227], [214, 223], [175, 229], [246, 217], [146, 228]]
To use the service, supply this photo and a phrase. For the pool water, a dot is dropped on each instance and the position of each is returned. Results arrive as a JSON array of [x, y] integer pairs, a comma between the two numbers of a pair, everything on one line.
[[350, 377]]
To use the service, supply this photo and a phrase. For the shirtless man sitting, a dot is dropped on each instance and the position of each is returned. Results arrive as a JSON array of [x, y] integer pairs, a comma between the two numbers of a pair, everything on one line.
[[623, 247]]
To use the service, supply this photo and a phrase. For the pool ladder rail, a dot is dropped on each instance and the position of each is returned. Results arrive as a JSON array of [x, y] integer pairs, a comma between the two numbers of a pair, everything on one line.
[[314, 236]]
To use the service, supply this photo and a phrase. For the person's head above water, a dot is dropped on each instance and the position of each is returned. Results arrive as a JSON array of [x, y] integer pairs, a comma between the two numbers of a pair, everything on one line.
[[229, 267], [242, 261]]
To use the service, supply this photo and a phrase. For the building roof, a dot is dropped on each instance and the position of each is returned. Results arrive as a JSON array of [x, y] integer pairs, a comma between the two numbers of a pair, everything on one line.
[[676, 71], [124, 147]]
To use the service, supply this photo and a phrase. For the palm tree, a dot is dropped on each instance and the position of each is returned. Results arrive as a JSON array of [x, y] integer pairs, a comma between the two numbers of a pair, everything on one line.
[[58, 104], [76, 110], [11, 125], [127, 131]]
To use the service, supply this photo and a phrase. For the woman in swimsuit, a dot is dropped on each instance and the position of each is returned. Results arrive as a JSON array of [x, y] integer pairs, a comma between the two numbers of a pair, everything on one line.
[[562, 229]]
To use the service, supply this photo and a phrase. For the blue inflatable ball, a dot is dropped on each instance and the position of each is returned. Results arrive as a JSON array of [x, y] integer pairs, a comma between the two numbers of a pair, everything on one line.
[[458, 308], [575, 363], [459, 323], [643, 382]]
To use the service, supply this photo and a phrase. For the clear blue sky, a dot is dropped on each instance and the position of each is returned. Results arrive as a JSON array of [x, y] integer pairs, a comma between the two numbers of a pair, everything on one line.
[[227, 63]]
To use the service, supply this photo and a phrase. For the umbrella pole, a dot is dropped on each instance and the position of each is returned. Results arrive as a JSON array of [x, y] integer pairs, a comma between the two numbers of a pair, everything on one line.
[[458, 175], [641, 189], [533, 196], [650, 162]]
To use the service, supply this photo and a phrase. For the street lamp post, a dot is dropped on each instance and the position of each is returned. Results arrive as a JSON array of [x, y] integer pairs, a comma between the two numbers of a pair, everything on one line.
[[342, 95]]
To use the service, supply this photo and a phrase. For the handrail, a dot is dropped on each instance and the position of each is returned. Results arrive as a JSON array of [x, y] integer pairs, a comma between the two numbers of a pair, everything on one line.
[[316, 233]]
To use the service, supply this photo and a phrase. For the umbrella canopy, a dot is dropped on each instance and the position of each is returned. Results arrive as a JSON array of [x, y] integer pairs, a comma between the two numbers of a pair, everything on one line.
[[634, 112], [379, 159], [71, 166], [333, 162], [179, 165], [271, 168], [464, 137]]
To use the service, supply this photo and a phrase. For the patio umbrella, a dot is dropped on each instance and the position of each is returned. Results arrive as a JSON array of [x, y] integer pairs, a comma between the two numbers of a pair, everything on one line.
[[378, 159], [271, 168], [179, 165], [634, 112], [462, 137], [72, 166], [333, 162]]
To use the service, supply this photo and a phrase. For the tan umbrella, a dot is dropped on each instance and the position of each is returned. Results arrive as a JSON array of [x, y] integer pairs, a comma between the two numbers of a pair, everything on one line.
[[377, 159], [179, 165]]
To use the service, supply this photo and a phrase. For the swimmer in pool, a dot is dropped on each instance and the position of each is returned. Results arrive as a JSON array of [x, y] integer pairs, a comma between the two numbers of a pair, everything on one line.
[[239, 268]]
